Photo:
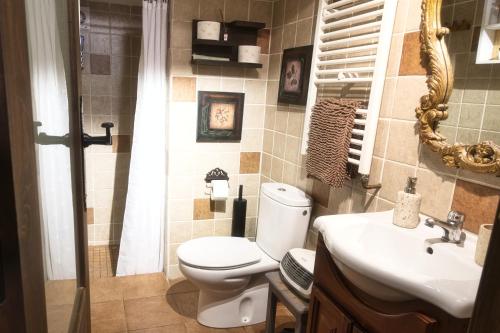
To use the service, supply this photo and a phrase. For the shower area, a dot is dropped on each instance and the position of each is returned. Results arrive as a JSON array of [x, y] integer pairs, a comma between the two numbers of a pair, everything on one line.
[[110, 37]]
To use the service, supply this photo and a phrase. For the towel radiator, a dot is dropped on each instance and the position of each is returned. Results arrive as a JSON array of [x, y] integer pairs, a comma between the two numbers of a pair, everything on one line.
[[350, 56]]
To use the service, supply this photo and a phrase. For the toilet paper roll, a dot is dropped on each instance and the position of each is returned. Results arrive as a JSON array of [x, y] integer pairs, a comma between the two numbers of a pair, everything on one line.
[[208, 30], [483, 239], [220, 190], [249, 54]]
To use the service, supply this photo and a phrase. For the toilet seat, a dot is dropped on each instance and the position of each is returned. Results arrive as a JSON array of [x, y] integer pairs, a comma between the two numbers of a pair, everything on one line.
[[218, 253]]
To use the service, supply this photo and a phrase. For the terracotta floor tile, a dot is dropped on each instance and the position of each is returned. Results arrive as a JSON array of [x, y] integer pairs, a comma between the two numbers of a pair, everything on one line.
[[142, 286], [177, 328], [108, 317], [185, 304], [181, 286], [58, 317], [59, 292], [150, 312], [106, 290]]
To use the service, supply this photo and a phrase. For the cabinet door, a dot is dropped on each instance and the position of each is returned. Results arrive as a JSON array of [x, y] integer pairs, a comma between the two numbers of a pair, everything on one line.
[[325, 316]]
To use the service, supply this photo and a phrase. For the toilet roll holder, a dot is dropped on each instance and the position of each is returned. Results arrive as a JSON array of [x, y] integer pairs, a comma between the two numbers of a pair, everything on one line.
[[216, 174]]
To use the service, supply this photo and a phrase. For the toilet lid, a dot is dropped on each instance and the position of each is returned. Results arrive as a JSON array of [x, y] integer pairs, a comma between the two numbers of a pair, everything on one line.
[[219, 252]]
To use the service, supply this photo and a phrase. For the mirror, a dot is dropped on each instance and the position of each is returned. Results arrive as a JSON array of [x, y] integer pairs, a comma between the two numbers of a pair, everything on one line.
[[460, 117]]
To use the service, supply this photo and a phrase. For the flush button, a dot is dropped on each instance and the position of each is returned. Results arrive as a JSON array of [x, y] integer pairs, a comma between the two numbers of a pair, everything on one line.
[[281, 189]]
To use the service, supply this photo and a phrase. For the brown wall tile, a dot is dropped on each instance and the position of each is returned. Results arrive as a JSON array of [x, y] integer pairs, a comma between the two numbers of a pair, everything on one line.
[[184, 89], [411, 57], [478, 203], [263, 37], [249, 162], [321, 193], [90, 215], [121, 143], [202, 209]]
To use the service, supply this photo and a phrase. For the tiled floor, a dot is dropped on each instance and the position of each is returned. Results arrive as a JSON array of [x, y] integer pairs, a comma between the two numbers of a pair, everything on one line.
[[148, 303], [102, 261]]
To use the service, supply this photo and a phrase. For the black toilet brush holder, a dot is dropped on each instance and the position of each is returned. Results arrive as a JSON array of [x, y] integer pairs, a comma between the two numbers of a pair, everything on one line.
[[239, 215]]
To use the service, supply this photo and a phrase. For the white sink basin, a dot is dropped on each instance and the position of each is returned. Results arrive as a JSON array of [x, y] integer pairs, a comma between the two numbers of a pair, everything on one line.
[[392, 263]]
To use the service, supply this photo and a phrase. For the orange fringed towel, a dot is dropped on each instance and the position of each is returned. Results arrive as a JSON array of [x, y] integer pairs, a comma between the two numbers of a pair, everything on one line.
[[330, 132]]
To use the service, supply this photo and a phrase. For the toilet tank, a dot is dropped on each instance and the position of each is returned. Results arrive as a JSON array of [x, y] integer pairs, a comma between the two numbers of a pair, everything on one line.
[[284, 214]]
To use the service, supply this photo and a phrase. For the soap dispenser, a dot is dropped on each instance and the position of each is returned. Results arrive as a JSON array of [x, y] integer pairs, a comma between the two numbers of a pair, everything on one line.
[[407, 206]]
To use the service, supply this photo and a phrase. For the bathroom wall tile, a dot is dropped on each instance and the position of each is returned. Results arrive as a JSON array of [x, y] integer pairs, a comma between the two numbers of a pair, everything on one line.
[[414, 14], [100, 85], [277, 170], [491, 119], [121, 66], [255, 91], [290, 172], [202, 209], [295, 123], [180, 209], [185, 10], [381, 138], [90, 215], [321, 193], [276, 40], [394, 177], [413, 88], [249, 162], [292, 149], [475, 91], [181, 35], [180, 62], [304, 32], [478, 203], [266, 165], [100, 105], [222, 227], [102, 232], [203, 229], [279, 145], [339, 200], [281, 123], [403, 142], [261, 11], [395, 55], [291, 10], [184, 89], [251, 139], [100, 43], [401, 13], [278, 13], [236, 10], [289, 32], [272, 93], [274, 66], [121, 143], [100, 64], [434, 186], [99, 21], [363, 202], [264, 38], [180, 231], [251, 183], [471, 115], [306, 9], [412, 62], [209, 9], [494, 92]]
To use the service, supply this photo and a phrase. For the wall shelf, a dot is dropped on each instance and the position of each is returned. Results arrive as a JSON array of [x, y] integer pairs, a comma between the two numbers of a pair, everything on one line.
[[239, 33], [488, 49], [225, 63]]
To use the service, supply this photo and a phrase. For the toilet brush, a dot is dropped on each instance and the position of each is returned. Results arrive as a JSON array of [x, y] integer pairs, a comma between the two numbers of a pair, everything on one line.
[[239, 215]]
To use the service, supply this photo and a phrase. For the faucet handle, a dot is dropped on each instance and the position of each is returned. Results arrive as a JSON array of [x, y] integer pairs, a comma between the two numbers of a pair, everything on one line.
[[430, 222], [456, 218]]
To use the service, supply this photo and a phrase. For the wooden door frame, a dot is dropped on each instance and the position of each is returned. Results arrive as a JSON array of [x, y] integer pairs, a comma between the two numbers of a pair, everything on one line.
[[24, 308], [20, 231]]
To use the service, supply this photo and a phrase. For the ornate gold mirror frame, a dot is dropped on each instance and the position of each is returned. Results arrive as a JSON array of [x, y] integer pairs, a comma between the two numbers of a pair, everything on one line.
[[483, 157]]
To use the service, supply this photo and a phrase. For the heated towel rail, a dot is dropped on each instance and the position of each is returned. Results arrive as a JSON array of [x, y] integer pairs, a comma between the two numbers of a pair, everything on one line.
[[350, 56]]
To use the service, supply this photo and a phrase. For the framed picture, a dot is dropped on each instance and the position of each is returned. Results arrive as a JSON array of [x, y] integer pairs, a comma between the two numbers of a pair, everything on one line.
[[294, 77], [220, 116]]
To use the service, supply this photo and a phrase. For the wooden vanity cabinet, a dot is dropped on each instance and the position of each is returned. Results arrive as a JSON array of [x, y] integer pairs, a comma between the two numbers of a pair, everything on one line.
[[337, 306]]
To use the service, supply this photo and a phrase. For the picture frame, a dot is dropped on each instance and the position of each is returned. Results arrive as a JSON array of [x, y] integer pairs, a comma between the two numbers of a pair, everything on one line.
[[294, 75], [220, 116]]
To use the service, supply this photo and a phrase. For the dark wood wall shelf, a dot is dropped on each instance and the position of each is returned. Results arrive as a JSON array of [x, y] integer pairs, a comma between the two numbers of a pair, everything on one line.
[[239, 33], [225, 63]]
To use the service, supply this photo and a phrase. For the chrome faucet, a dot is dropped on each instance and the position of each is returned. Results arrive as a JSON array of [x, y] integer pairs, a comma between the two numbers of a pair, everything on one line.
[[452, 227]]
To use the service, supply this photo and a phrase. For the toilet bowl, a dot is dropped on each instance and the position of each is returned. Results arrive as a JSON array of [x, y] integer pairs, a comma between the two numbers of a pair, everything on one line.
[[229, 271]]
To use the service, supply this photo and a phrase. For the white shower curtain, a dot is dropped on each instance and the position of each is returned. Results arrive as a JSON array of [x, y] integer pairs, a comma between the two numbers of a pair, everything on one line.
[[50, 108], [141, 246]]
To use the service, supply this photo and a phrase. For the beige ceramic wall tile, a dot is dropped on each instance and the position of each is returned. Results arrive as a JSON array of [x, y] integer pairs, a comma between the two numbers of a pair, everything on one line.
[[279, 145], [304, 32], [277, 169], [437, 193], [184, 89], [180, 231], [414, 14], [403, 142], [278, 12], [394, 177], [412, 88], [255, 91], [185, 10]]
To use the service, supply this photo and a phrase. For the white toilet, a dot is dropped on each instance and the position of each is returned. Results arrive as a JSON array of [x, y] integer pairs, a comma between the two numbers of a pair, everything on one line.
[[229, 271]]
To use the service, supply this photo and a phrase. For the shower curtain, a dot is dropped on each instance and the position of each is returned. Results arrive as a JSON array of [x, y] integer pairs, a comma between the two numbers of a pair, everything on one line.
[[141, 246], [50, 109]]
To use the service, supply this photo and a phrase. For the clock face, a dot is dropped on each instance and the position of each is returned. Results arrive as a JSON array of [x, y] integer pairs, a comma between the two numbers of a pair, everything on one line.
[[222, 116]]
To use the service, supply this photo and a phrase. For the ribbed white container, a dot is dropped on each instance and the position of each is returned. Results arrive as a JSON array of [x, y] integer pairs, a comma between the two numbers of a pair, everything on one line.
[[249, 53], [208, 30]]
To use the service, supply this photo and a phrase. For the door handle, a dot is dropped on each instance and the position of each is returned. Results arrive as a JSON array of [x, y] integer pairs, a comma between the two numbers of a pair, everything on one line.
[[99, 140]]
